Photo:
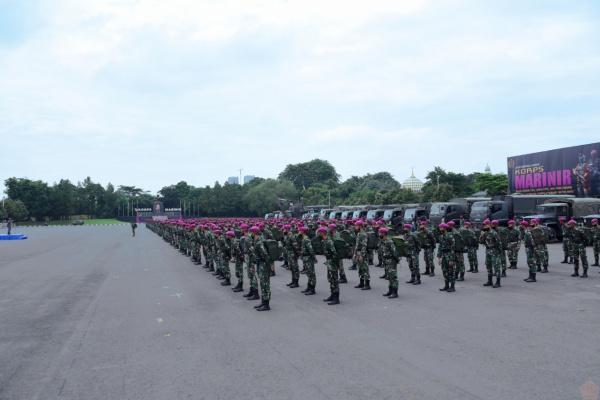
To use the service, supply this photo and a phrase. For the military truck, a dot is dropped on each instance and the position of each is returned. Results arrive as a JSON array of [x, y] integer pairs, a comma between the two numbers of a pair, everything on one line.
[[447, 211], [571, 208]]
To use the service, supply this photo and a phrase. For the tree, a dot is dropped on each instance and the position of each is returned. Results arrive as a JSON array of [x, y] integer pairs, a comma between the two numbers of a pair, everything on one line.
[[33, 194], [306, 174], [265, 196], [494, 184], [62, 199], [460, 184], [443, 192], [14, 209]]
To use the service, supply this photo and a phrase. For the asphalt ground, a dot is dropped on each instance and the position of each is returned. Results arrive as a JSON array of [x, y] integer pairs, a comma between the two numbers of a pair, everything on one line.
[[91, 313]]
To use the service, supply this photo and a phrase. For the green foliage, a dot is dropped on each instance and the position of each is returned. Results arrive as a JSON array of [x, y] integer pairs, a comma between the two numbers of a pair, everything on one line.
[[34, 194], [265, 196], [306, 174], [443, 192], [494, 184], [14, 209], [459, 184]]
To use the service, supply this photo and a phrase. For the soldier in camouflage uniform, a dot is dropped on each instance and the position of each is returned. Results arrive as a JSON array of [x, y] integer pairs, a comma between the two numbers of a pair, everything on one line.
[[577, 241], [264, 271], [380, 223], [459, 251], [360, 255], [335, 235], [331, 257], [390, 260], [539, 240], [290, 244], [567, 259], [446, 257], [250, 258], [490, 239], [226, 242], [503, 235], [529, 251], [267, 234], [472, 246], [237, 252], [308, 260], [413, 248], [596, 241], [514, 244], [427, 241]]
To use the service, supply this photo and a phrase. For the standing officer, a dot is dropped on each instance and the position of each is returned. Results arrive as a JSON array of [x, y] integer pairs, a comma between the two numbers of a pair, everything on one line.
[[264, 270], [577, 241], [360, 255], [446, 257], [390, 259], [427, 241], [237, 253], [568, 259], [472, 245], [513, 245], [251, 262], [596, 241], [413, 249], [539, 241], [529, 251], [308, 260], [290, 243], [331, 257], [459, 251]]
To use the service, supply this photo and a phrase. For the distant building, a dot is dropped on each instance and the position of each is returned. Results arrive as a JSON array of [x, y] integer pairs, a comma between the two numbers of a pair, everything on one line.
[[488, 170], [248, 179], [233, 180], [413, 183]]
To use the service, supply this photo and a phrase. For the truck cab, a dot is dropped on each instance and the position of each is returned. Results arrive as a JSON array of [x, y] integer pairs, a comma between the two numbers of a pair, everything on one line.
[[572, 208], [446, 211]]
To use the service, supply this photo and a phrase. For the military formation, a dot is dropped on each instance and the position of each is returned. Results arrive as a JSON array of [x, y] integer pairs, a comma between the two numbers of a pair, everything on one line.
[[253, 246]]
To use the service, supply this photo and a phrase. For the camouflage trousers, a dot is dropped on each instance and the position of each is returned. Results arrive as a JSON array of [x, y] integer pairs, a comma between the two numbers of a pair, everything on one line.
[[333, 275], [538, 253], [566, 248], [251, 272], [502, 259], [448, 270], [292, 262], [493, 263], [459, 257], [513, 252], [342, 273], [413, 262], [428, 258], [391, 270], [531, 259], [578, 253], [545, 255], [309, 266], [264, 273], [596, 250], [239, 269], [363, 267], [225, 267], [472, 256], [370, 257], [380, 255]]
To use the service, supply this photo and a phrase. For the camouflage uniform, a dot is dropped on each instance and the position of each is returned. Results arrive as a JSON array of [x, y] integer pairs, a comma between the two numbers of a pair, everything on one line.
[[459, 254], [503, 235], [577, 241], [332, 262], [530, 252], [238, 256], [390, 260], [335, 235], [290, 244], [596, 243], [446, 255], [262, 263], [493, 247], [566, 245], [539, 241], [427, 241], [360, 255], [250, 258], [472, 245], [513, 247], [308, 261], [225, 257], [413, 249]]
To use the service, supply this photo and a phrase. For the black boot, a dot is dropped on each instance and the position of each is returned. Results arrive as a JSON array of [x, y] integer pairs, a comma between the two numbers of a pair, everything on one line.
[[226, 282], [260, 305], [360, 285], [389, 292], [426, 271], [311, 291], [539, 269], [335, 299], [250, 293], [264, 306], [461, 277], [595, 264], [254, 296], [470, 269], [503, 274], [305, 290], [565, 261], [489, 281], [497, 284], [367, 285], [329, 298], [584, 275], [294, 284], [239, 287], [531, 277], [451, 288], [545, 270], [576, 269], [353, 267], [432, 272], [476, 270], [384, 276], [394, 294], [343, 279], [417, 279], [446, 287], [412, 278]]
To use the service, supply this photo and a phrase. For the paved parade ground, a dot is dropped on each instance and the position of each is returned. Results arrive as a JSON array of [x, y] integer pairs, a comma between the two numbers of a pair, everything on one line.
[[91, 313]]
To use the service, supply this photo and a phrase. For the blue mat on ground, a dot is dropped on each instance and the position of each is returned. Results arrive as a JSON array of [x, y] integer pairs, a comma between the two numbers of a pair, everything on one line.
[[15, 236]]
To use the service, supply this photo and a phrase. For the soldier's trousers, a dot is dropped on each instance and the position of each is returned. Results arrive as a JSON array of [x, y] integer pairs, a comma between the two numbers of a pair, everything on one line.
[[251, 272], [391, 268], [309, 267], [341, 268], [225, 267], [460, 262], [596, 250], [502, 259], [545, 255], [579, 253], [513, 252], [292, 262], [239, 270], [333, 275], [363, 268], [379, 255], [413, 262], [472, 256], [565, 248], [428, 258], [448, 267], [493, 264], [531, 259], [370, 257], [264, 271], [538, 253]]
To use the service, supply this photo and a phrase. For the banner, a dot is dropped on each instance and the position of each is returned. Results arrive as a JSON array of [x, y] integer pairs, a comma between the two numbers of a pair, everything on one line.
[[571, 170]]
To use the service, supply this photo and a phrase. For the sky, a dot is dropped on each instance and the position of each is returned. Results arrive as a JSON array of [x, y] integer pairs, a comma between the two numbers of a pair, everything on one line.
[[151, 92]]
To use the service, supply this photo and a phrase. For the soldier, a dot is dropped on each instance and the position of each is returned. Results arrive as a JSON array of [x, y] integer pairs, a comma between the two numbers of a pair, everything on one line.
[[503, 235], [308, 260], [539, 241], [596, 241], [290, 245], [427, 241], [340, 267], [568, 259], [264, 270], [380, 223], [471, 245], [267, 234], [226, 256], [493, 246], [529, 251], [459, 251], [577, 241], [331, 257], [133, 228], [413, 249], [237, 252], [446, 258], [513, 244], [390, 260], [359, 257], [251, 262]]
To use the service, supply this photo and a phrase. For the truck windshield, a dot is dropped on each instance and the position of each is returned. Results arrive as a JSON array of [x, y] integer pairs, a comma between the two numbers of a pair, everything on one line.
[[387, 214], [371, 214], [437, 209], [409, 214]]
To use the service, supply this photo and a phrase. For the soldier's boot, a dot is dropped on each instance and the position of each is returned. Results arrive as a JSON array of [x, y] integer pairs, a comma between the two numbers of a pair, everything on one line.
[[367, 285], [306, 290], [384, 276], [239, 287], [370, 262], [290, 284], [451, 288], [432, 273], [394, 294], [539, 269], [497, 284], [595, 264], [294, 284], [426, 271], [260, 305], [221, 276], [513, 265], [329, 298], [343, 278], [503, 274], [216, 272], [254, 296], [456, 274], [461, 277], [489, 281], [249, 293], [211, 269], [570, 260], [353, 267], [284, 265], [531, 277], [545, 269], [389, 292], [412, 278], [584, 275], [476, 270], [576, 271], [226, 282], [470, 269], [446, 287], [565, 260], [264, 306], [335, 299], [361, 284], [417, 279], [311, 291]]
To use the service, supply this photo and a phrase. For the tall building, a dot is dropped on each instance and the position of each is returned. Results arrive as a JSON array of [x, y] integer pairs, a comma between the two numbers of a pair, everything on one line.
[[488, 170], [248, 179], [233, 180], [413, 183]]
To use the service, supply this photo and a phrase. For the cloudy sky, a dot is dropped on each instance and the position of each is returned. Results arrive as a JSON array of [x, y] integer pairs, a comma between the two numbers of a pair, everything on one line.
[[151, 92]]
